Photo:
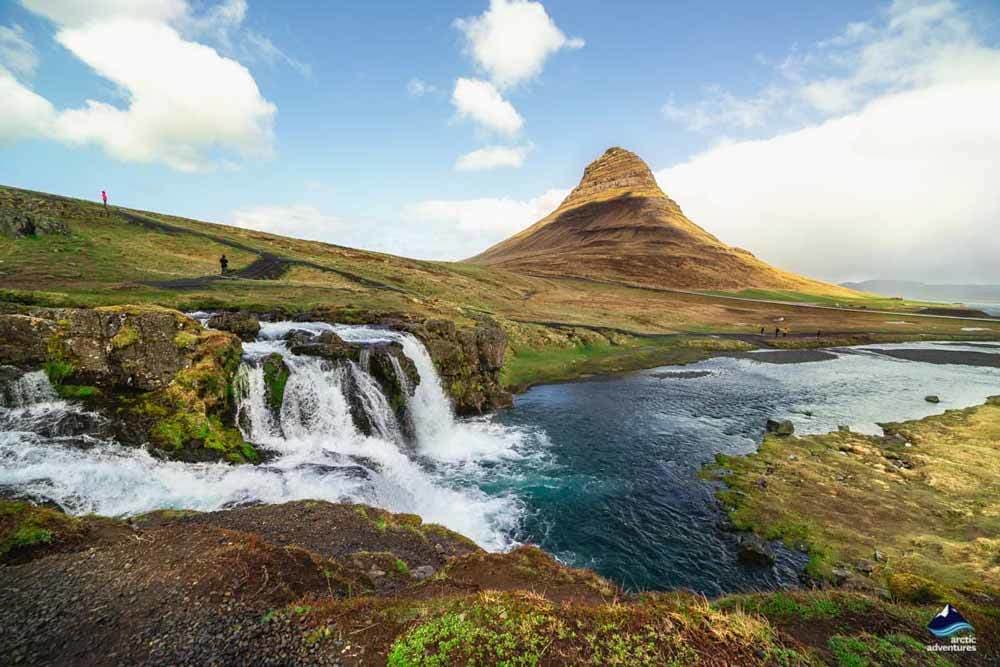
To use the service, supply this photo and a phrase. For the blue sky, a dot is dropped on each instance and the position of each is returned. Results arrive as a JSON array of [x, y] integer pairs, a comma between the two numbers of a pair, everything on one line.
[[344, 122]]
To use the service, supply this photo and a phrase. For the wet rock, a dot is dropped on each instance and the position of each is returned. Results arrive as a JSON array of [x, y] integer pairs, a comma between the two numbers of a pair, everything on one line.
[[468, 360], [932, 399], [781, 427], [23, 339], [754, 550], [243, 324], [117, 347], [275, 378], [327, 345]]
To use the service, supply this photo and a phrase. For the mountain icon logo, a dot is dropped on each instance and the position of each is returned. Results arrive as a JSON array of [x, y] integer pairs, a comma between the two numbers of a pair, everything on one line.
[[948, 622]]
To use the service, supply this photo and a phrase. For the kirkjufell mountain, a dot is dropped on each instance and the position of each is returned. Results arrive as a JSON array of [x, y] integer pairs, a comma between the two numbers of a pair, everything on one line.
[[617, 224]]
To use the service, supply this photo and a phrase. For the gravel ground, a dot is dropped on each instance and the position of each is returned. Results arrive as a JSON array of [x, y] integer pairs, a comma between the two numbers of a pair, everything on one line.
[[209, 589]]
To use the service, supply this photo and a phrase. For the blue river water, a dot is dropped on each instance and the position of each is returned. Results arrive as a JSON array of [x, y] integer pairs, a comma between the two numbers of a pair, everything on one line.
[[614, 485]]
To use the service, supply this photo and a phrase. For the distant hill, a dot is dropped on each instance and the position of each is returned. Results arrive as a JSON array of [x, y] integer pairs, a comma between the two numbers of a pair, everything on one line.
[[968, 294], [619, 225]]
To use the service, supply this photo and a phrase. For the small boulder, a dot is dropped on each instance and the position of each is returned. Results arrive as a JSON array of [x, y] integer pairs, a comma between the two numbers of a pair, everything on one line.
[[243, 324], [843, 428], [839, 575], [327, 345], [754, 550], [275, 378], [782, 427], [932, 399], [422, 572]]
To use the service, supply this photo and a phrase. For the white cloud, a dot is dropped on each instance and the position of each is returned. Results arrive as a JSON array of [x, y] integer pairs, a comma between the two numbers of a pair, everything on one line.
[[493, 157], [260, 47], [725, 109], [303, 221], [456, 229], [187, 106], [888, 167], [482, 102], [16, 52], [512, 40], [25, 114], [418, 87], [914, 43], [904, 188]]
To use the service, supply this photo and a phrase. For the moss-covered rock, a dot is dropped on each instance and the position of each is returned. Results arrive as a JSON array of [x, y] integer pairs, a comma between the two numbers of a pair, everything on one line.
[[275, 378], [29, 531], [167, 379], [468, 359], [243, 324]]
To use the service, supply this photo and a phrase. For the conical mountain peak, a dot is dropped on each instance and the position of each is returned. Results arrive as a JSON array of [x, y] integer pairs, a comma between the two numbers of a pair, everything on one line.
[[618, 172], [618, 226]]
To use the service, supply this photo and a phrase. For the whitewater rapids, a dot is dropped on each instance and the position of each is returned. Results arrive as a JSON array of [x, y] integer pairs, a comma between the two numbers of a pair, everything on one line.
[[318, 453]]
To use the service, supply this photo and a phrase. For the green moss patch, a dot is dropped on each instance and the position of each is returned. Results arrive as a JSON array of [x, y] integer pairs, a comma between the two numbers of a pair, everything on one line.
[[126, 337], [26, 528], [276, 375]]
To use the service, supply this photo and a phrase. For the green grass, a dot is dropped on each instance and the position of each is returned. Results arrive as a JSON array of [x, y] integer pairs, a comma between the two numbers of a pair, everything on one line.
[[109, 259], [932, 509], [603, 355], [871, 301]]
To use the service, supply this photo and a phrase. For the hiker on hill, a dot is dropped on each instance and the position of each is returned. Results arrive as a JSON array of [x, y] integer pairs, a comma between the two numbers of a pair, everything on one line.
[[104, 197], [776, 332], [224, 263]]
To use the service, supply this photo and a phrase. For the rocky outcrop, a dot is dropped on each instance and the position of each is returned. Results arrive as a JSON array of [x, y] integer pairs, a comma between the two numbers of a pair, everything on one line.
[[468, 360], [21, 224], [385, 362], [243, 324], [166, 379], [327, 345]]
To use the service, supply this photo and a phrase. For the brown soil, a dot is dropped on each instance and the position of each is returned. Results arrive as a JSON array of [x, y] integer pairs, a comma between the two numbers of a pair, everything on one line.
[[618, 225]]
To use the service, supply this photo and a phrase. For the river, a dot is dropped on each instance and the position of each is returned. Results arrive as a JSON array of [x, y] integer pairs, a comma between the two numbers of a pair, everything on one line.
[[602, 473]]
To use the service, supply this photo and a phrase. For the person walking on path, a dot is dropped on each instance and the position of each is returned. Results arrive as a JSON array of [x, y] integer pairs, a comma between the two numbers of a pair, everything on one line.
[[104, 197], [224, 263]]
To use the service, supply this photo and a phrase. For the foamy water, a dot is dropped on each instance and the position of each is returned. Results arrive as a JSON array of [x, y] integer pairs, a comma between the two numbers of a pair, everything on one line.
[[318, 451]]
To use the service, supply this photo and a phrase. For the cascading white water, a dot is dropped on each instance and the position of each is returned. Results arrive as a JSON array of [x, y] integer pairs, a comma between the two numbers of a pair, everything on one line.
[[29, 389], [317, 450]]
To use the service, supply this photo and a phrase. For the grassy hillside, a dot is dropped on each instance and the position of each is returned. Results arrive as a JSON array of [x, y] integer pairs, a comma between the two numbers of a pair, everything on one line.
[[130, 256]]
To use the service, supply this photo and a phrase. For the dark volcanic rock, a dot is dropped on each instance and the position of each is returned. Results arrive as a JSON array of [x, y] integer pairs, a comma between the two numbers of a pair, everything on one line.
[[243, 324], [755, 550], [469, 361], [327, 345], [780, 427], [163, 379], [23, 339]]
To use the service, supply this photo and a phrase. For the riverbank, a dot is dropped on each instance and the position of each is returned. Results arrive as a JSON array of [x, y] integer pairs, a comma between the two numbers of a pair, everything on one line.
[[268, 585], [913, 515], [539, 356]]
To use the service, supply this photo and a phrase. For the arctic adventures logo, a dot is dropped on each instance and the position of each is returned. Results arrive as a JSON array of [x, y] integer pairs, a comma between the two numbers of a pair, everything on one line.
[[951, 625]]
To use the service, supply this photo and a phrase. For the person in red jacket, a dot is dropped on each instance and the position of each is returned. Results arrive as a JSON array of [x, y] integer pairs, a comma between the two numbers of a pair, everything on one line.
[[104, 197]]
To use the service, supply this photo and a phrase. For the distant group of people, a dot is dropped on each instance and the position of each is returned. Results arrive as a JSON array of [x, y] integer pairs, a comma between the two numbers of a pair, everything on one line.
[[783, 332]]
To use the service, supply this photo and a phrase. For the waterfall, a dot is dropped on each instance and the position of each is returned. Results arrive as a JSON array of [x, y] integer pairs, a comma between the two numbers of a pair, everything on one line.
[[315, 449], [27, 390]]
